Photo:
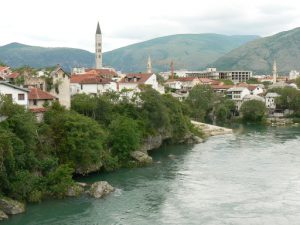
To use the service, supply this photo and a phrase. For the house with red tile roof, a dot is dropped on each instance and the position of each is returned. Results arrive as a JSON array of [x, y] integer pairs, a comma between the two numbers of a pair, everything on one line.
[[132, 81], [91, 83], [38, 98], [4, 72]]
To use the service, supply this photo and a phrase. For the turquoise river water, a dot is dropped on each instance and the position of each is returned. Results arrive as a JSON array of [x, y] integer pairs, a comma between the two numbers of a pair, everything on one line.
[[251, 177]]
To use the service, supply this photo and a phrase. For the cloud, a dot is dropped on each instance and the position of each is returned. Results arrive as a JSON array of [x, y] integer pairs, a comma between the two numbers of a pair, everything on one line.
[[61, 23]]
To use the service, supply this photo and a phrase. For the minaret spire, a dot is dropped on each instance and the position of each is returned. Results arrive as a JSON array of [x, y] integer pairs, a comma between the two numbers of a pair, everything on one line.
[[98, 31], [274, 72], [98, 47], [149, 65]]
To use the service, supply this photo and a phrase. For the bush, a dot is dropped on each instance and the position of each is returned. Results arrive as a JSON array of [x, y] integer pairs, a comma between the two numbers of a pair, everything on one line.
[[124, 137], [253, 111]]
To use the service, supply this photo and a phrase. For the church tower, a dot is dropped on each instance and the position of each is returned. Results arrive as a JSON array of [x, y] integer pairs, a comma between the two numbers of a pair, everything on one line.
[[274, 72], [149, 65], [98, 47]]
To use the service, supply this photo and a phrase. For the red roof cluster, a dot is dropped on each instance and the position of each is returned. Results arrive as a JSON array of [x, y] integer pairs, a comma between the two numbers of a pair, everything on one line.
[[38, 94], [38, 110], [13, 75], [216, 87], [139, 78], [187, 79], [89, 78], [3, 68], [102, 72]]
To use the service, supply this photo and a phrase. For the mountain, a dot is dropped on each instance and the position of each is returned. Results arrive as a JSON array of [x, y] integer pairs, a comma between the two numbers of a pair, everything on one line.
[[260, 54], [189, 51], [16, 55]]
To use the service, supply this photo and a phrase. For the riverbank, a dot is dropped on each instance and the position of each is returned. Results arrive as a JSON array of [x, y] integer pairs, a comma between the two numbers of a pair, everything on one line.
[[211, 130]]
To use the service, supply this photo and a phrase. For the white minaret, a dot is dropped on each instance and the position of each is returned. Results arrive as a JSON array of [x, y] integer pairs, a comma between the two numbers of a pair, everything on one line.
[[98, 47], [149, 65], [274, 72]]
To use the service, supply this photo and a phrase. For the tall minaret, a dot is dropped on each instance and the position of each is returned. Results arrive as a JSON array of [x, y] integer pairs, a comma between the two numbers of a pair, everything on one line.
[[149, 65], [98, 47], [274, 72]]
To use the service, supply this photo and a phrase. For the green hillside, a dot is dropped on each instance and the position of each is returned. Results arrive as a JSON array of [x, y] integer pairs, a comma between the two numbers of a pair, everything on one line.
[[260, 54], [16, 55], [189, 51]]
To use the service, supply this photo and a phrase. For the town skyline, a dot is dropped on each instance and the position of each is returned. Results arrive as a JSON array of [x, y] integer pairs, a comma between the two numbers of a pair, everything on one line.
[[59, 24]]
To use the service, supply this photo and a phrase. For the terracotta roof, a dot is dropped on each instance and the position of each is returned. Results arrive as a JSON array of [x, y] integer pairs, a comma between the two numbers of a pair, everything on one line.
[[222, 86], [206, 80], [81, 77], [186, 79], [102, 72], [36, 93], [4, 68], [141, 78], [38, 110], [95, 80], [13, 75], [89, 79], [250, 87], [216, 82]]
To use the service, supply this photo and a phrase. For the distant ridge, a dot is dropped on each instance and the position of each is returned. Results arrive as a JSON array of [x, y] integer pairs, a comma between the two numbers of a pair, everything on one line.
[[258, 55], [190, 51], [17, 54]]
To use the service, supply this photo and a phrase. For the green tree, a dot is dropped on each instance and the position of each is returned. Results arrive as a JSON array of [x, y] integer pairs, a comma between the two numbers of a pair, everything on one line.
[[200, 101], [124, 137], [76, 140], [297, 81], [253, 111]]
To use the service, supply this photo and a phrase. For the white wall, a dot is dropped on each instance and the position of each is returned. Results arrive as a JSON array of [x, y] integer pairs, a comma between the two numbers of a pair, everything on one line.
[[4, 89]]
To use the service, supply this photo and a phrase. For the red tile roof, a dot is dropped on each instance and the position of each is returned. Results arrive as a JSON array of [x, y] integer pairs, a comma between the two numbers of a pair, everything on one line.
[[78, 78], [95, 80], [13, 75], [222, 86], [3, 68], [250, 87], [89, 79], [38, 110], [102, 72], [141, 78], [38, 94], [186, 79]]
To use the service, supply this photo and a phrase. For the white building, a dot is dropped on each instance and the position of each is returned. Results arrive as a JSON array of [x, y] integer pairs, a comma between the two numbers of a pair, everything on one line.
[[91, 84], [173, 84], [17, 94], [270, 100], [237, 94], [294, 74], [61, 86], [132, 81]]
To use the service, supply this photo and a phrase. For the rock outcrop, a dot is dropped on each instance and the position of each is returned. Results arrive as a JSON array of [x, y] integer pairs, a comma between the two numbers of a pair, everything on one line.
[[3, 215], [75, 190], [100, 188], [92, 168], [141, 157], [11, 207], [211, 130]]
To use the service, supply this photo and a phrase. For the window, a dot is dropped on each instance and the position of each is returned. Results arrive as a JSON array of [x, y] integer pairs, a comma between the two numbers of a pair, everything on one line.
[[34, 102], [9, 96], [21, 97]]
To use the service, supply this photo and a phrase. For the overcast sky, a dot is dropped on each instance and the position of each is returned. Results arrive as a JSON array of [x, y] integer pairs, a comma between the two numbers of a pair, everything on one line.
[[72, 23]]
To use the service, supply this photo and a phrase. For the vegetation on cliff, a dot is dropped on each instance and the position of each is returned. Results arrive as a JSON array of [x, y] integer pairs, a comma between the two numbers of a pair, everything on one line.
[[38, 160]]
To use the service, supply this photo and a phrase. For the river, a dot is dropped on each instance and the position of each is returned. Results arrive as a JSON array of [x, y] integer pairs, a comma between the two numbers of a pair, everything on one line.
[[251, 177]]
